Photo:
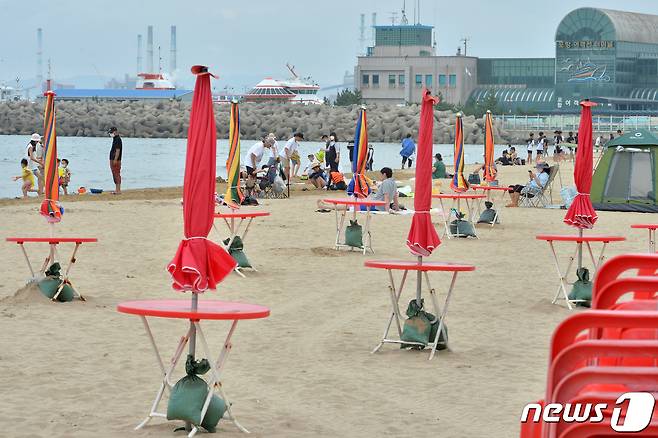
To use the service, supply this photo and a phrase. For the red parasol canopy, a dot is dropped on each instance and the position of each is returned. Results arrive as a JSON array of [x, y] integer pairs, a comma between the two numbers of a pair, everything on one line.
[[422, 238], [581, 214], [200, 264]]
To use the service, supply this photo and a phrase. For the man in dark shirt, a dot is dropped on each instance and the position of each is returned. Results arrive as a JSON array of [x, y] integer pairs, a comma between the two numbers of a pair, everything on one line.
[[115, 158]]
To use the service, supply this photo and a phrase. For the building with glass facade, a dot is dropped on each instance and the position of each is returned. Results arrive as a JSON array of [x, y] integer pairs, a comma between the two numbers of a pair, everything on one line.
[[610, 57]]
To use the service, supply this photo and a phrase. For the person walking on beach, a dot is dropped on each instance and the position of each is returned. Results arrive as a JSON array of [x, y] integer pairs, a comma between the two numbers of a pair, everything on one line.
[[531, 148], [407, 151], [370, 158], [28, 178], [35, 160], [115, 159], [255, 155], [540, 146], [285, 154]]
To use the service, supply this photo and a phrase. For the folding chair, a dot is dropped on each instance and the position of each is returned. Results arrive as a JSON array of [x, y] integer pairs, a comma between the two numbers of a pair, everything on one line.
[[539, 198], [266, 184]]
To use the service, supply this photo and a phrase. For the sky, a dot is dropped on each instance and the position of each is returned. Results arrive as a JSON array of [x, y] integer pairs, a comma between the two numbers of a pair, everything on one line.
[[245, 41]]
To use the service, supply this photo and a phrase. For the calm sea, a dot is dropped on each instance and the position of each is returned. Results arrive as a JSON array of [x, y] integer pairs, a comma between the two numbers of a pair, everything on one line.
[[150, 162]]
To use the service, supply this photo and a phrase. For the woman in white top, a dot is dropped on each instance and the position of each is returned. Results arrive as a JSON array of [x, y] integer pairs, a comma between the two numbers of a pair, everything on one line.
[[531, 147], [541, 142]]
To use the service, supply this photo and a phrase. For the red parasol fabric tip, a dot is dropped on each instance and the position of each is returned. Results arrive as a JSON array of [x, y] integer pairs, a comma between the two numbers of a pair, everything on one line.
[[581, 213], [423, 238], [200, 264]]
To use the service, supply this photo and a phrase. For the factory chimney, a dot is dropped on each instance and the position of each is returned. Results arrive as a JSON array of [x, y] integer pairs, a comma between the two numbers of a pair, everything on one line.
[[139, 53], [40, 59], [149, 50], [374, 23], [172, 54]]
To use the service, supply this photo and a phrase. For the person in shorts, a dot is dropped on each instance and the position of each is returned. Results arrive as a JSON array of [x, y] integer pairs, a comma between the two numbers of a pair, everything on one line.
[[540, 146], [28, 178], [286, 153], [115, 159], [531, 147], [536, 182]]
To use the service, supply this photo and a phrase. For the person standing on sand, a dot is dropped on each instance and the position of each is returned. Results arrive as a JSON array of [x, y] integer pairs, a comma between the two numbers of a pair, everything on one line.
[[408, 149], [531, 148], [115, 159], [285, 154], [35, 159]]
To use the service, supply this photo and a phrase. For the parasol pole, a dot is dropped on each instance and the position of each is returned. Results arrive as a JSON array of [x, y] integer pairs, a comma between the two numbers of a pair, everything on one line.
[[419, 282], [192, 346], [580, 249]]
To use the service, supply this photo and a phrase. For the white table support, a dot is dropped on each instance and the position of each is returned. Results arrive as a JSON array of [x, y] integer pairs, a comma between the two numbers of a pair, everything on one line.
[[214, 384], [340, 230], [447, 218]]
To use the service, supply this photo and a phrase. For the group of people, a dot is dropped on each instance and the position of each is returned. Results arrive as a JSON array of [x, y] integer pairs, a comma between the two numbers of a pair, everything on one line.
[[32, 169]]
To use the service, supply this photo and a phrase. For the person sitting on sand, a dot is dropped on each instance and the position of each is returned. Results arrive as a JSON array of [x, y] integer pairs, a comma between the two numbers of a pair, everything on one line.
[[308, 168], [439, 168], [28, 178], [387, 192], [316, 175], [535, 184], [251, 189]]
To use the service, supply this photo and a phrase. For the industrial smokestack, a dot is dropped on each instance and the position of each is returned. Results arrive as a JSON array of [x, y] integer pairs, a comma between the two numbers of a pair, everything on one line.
[[374, 23], [172, 54], [139, 53], [40, 59], [149, 50]]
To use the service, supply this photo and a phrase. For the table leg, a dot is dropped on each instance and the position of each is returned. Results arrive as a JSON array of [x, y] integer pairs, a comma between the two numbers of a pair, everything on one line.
[[563, 277], [246, 229], [215, 380], [652, 240], [65, 279], [339, 226], [446, 220], [599, 261], [394, 295], [366, 235], [471, 219], [27, 260], [444, 313], [166, 372]]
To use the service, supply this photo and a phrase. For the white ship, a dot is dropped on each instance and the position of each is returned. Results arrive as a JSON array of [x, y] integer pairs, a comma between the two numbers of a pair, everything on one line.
[[294, 90], [154, 81]]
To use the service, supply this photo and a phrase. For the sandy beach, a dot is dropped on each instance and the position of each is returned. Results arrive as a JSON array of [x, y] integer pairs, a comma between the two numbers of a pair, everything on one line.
[[82, 369]]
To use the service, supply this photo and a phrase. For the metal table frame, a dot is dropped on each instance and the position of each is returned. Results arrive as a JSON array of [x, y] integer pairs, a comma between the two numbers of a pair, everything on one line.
[[340, 220], [457, 198], [234, 226]]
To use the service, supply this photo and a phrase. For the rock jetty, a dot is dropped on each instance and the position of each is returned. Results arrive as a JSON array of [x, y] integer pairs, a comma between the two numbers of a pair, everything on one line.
[[386, 123]]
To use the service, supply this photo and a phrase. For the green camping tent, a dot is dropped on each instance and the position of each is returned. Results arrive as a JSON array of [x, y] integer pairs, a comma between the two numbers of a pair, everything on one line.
[[626, 177]]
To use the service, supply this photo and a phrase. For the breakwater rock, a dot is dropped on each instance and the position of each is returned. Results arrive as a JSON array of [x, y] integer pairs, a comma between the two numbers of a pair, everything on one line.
[[386, 123]]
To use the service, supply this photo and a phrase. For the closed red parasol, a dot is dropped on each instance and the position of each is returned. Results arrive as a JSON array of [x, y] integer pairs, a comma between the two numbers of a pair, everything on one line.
[[581, 213], [200, 264], [423, 238]]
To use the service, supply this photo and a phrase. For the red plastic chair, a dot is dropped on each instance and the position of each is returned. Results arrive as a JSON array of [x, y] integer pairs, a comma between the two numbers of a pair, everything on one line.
[[616, 266], [611, 382], [607, 297]]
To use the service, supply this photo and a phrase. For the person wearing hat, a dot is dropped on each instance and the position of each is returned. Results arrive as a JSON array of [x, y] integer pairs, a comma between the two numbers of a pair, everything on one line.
[[35, 159], [316, 175], [285, 154], [255, 154], [115, 159], [537, 181]]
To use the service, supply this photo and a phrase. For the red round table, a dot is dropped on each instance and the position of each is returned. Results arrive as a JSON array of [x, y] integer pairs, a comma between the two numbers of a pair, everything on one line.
[[395, 292], [579, 240], [370, 204], [234, 220], [206, 310], [652, 234], [52, 255], [468, 198]]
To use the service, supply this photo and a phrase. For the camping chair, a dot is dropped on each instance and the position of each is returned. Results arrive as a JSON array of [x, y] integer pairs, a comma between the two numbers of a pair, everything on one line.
[[267, 185], [540, 198]]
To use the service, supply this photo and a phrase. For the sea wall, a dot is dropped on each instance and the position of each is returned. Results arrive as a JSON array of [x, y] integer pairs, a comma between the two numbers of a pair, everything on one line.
[[386, 123]]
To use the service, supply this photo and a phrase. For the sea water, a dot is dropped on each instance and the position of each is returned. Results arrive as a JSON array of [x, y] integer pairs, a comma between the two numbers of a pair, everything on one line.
[[160, 162]]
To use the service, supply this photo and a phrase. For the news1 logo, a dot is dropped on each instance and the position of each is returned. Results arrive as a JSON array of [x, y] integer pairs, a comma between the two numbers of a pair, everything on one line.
[[637, 415]]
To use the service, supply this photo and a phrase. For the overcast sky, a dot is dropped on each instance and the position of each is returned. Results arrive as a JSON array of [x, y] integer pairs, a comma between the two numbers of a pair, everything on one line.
[[244, 41]]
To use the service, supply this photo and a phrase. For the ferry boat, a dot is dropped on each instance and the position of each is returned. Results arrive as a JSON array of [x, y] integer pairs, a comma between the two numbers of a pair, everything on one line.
[[294, 90], [154, 81]]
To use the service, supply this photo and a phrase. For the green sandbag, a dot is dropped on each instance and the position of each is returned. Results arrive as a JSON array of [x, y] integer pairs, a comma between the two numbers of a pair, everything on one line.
[[189, 394], [422, 327], [354, 234], [49, 285], [488, 215], [582, 289], [462, 228], [236, 251]]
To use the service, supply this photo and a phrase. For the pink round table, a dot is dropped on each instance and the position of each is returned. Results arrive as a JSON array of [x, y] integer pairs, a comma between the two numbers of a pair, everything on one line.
[[652, 234], [234, 221], [395, 292], [206, 310], [370, 204], [586, 239], [52, 255], [456, 198]]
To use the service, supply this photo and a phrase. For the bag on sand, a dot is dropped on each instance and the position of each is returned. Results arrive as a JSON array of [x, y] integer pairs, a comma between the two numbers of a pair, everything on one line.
[[354, 234], [189, 394], [488, 215], [462, 228], [474, 178], [582, 289], [237, 252], [422, 327], [53, 282], [279, 185]]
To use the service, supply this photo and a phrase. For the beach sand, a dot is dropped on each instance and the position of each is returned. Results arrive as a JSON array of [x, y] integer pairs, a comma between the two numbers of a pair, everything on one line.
[[82, 369]]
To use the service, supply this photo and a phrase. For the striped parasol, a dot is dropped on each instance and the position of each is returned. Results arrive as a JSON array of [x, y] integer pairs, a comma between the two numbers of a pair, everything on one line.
[[234, 196], [358, 186], [50, 207], [458, 182], [489, 166]]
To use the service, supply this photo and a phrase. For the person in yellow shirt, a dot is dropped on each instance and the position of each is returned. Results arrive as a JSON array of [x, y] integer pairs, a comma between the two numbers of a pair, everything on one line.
[[64, 174], [28, 178]]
